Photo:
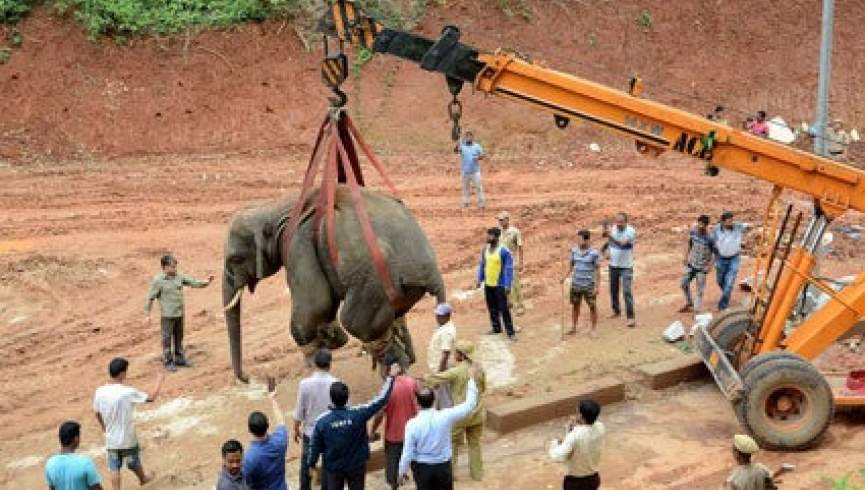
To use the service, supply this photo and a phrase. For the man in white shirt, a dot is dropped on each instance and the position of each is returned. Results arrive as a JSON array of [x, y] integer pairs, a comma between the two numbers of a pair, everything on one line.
[[439, 353], [727, 238], [581, 448], [313, 399], [620, 250], [427, 445], [114, 404]]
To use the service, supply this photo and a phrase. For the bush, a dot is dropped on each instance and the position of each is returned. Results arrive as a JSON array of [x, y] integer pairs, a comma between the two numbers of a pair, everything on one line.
[[123, 18], [131, 17], [11, 11]]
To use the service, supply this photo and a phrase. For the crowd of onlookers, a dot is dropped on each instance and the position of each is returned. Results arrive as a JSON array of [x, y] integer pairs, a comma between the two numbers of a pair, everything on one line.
[[422, 437]]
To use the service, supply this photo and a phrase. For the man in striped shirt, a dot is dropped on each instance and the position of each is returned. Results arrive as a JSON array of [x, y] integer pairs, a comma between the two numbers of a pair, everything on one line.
[[698, 261], [585, 278]]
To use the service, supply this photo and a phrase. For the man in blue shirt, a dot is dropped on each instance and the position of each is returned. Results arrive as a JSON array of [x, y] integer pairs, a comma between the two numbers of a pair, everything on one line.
[[341, 438], [620, 246], [264, 462], [585, 280], [471, 153], [727, 238], [495, 273], [70, 471]]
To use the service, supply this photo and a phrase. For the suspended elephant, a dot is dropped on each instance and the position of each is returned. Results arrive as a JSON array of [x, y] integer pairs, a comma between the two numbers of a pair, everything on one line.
[[321, 289]]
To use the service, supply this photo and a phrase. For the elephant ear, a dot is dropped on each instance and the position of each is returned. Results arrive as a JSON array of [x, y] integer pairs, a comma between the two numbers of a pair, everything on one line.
[[263, 236]]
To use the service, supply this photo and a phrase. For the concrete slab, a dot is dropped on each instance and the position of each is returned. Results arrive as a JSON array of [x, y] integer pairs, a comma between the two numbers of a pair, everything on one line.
[[665, 374], [508, 417]]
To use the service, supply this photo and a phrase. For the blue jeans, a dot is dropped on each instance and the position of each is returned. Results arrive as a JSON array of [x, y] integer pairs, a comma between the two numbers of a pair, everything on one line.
[[623, 276], [725, 272]]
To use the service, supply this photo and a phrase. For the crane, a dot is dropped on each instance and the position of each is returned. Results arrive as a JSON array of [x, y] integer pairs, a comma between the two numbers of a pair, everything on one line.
[[760, 356]]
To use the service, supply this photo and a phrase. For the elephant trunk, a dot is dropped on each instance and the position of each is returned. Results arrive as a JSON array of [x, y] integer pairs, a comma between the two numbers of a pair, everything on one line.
[[438, 289], [231, 301]]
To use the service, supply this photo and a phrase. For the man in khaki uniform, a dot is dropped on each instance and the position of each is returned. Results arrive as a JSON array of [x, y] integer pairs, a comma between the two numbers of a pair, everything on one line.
[[748, 475], [513, 240], [167, 287], [471, 428]]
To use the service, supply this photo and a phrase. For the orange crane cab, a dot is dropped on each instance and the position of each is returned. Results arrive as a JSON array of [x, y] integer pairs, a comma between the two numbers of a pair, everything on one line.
[[759, 356]]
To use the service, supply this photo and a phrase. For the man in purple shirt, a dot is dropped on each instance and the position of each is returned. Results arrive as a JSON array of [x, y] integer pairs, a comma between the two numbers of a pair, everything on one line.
[[313, 399]]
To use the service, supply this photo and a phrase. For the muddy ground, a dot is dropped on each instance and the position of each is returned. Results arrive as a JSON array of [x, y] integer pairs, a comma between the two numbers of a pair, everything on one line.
[[81, 240]]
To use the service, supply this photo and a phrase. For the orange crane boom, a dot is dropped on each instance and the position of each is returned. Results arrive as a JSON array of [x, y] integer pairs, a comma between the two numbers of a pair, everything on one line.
[[757, 360]]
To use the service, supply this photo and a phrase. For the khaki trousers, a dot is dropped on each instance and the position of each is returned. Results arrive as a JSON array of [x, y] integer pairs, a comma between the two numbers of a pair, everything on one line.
[[471, 434]]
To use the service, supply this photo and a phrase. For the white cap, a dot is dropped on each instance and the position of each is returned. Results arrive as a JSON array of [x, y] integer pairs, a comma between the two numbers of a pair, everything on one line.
[[443, 309]]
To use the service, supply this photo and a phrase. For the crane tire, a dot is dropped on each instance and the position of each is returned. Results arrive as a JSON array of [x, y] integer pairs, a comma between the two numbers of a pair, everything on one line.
[[728, 327], [786, 402]]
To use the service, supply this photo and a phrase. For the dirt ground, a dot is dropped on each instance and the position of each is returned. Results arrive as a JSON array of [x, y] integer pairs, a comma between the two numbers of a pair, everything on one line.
[[111, 156], [81, 241]]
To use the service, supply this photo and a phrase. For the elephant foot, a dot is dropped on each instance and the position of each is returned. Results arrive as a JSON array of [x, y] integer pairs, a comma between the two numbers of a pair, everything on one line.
[[332, 336], [397, 342]]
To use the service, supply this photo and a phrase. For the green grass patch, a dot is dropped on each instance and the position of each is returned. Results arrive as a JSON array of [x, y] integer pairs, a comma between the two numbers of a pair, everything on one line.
[[127, 18]]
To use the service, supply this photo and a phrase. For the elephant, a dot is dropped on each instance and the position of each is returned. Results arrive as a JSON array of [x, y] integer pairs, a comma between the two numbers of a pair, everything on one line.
[[329, 299]]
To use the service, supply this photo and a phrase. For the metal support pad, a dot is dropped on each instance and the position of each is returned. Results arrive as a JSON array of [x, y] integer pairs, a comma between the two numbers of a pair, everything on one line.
[[726, 376]]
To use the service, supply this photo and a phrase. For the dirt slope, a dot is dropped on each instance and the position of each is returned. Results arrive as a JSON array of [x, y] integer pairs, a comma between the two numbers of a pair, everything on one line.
[[255, 87]]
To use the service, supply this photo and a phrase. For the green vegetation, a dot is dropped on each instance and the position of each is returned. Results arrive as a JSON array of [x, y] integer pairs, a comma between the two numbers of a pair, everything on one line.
[[11, 11], [124, 18], [645, 20], [850, 481], [513, 7]]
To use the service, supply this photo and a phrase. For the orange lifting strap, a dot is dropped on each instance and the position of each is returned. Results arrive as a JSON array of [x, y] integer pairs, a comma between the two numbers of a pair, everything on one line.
[[335, 150]]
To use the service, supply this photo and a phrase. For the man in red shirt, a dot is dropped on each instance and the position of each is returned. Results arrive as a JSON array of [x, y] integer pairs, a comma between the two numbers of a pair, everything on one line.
[[400, 408]]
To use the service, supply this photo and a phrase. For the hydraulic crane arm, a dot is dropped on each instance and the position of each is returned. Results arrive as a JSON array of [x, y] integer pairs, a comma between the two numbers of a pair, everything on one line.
[[654, 126]]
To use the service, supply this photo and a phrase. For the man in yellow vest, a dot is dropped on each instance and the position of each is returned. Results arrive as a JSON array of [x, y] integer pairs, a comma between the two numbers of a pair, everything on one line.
[[470, 429], [495, 274]]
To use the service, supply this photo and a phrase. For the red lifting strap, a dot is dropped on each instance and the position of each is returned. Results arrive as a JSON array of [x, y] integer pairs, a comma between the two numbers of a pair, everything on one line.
[[340, 162]]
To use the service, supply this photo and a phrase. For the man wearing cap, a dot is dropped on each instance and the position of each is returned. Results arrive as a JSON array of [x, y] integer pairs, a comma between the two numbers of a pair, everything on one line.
[[167, 287], [495, 273], [512, 238], [748, 475], [441, 346], [727, 239], [471, 428]]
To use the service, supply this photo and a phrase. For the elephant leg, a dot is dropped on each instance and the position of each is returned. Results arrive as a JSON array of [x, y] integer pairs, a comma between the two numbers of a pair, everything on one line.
[[313, 306], [402, 333]]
